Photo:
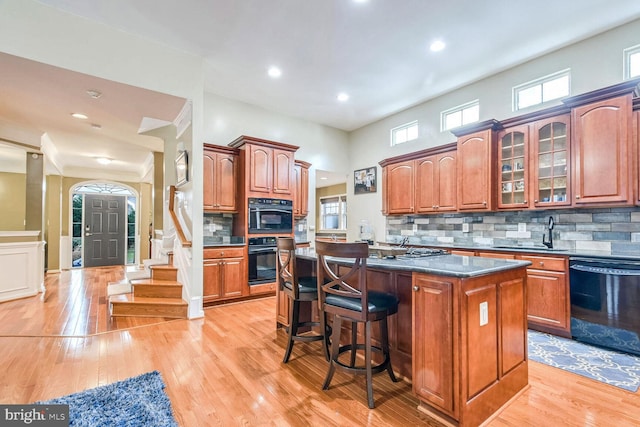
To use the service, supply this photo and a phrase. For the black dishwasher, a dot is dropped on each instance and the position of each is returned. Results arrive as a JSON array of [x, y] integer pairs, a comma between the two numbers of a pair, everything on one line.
[[605, 302]]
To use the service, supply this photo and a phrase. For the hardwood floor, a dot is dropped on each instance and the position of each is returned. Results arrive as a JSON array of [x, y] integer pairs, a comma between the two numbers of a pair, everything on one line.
[[226, 369]]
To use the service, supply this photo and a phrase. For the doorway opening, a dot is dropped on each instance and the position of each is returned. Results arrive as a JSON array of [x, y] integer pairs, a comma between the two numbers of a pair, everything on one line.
[[104, 224]]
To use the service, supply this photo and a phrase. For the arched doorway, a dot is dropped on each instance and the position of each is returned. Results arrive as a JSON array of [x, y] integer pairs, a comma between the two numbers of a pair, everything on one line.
[[104, 224]]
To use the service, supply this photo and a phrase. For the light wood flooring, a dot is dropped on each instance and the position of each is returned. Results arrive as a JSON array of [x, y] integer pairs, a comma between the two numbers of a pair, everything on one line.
[[226, 370]]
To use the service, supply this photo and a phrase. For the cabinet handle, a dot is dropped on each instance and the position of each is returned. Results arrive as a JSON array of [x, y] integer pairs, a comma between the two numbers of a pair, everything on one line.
[[416, 289]]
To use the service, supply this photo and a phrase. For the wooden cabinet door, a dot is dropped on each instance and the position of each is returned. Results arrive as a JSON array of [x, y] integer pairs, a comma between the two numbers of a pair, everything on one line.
[[547, 303], [426, 184], [208, 176], [636, 144], [513, 168], [602, 165], [446, 182], [283, 308], [433, 356], [400, 188], [261, 169], [550, 162], [301, 190], [233, 277], [475, 171], [226, 183], [212, 279], [282, 180]]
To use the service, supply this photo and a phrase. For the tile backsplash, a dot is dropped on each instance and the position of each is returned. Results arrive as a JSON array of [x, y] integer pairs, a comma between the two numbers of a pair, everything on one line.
[[217, 227], [604, 229]]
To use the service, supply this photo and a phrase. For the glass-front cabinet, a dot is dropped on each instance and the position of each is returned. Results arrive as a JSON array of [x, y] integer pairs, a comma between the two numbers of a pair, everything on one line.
[[513, 156], [551, 162]]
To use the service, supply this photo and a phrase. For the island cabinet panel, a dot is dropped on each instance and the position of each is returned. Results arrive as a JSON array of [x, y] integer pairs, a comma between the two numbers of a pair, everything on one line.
[[475, 168], [433, 343], [602, 161], [480, 335], [469, 344]]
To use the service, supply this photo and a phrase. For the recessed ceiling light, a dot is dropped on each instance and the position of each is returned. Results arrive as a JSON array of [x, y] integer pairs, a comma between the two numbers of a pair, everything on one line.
[[103, 160], [95, 94], [274, 72], [343, 97], [437, 46], [79, 116], [323, 178]]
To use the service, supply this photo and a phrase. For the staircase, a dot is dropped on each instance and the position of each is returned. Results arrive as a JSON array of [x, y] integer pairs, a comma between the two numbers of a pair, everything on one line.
[[159, 295]]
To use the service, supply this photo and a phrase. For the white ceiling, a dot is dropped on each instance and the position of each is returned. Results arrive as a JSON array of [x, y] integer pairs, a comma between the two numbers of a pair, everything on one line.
[[377, 51]]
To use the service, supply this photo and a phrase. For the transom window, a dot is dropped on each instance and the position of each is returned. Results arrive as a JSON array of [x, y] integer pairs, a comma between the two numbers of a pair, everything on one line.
[[632, 62], [460, 115], [404, 133], [544, 89]]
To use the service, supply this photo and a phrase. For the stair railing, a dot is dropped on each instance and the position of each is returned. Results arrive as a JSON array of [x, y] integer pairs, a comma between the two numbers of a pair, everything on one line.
[[186, 243]]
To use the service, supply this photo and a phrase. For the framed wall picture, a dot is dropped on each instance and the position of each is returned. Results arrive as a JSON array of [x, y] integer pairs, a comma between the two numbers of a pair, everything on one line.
[[364, 180], [182, 169]]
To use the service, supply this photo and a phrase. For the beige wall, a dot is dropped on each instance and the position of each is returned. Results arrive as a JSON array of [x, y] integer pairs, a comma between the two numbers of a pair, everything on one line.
[[13, 190], [53, 222]]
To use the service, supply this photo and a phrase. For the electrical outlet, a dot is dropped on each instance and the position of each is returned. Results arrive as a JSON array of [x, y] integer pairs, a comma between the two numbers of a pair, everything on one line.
[[465, 227], [415, 227], [212, 227], [522, 227], [484, 313]]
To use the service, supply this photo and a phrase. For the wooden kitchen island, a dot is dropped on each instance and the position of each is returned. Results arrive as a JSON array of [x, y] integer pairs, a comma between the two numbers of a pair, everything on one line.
[[460, 334]]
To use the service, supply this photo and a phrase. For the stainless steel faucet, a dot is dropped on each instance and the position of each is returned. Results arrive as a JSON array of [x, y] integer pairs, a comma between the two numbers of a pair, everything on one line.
[[549, 243]]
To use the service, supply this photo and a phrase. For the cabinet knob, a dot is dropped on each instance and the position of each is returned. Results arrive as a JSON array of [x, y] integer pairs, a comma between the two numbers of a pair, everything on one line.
[[416, 289], [221, 253], [484, 203], [577, 196], [524, 203], [535, 201], [541, 263]]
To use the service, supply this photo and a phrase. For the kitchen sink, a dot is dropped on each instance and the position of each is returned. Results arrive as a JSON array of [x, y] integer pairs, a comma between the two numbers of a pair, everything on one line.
[[530, 248]]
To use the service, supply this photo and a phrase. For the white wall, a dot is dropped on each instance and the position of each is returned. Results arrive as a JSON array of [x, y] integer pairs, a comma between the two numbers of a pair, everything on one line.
[[326, 148], [594, 63]]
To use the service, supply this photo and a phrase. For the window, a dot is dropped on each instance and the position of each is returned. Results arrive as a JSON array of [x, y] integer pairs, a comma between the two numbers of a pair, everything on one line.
[[542, 90], [333, 212], [404, 133], [460, 115], [632, 62]]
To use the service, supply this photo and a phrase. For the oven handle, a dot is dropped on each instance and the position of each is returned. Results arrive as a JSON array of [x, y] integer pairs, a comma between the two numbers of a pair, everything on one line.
[[262, 250], [605, 270]]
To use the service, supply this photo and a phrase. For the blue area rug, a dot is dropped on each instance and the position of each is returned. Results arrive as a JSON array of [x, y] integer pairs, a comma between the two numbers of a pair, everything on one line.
[[610, 367], [138, 401]]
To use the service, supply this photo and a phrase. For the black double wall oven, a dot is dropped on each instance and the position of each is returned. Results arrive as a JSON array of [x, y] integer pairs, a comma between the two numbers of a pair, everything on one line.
[[266, 216]]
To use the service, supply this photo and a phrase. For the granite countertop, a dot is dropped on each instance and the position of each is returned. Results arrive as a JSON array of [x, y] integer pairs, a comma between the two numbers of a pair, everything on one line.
[[223, 241], [542, 250], [441, 265]]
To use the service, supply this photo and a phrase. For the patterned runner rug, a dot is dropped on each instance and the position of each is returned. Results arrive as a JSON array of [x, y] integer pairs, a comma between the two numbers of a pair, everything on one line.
[[610, 367]]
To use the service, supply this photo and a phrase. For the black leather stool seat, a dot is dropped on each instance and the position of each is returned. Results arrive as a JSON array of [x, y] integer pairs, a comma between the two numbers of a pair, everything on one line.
[[305, 285], [377, 301]]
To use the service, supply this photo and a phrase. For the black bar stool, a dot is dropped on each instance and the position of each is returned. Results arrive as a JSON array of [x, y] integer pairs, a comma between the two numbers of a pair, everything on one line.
[[343, 294], [297, 289]]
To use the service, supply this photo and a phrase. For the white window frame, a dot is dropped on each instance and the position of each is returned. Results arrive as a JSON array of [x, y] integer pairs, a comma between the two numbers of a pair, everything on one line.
[[627, 54], [461, 110], [405, 127], [342, 213], [540, 82]]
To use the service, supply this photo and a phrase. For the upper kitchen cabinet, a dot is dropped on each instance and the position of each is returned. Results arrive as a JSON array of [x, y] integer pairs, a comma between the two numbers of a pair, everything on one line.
[[476, 166], [436, 178], [636, 130], [550, 162], [220, 174], [268, 167], [398, 188], [513, 168], [420, 182], [301, 195], [602, 143]]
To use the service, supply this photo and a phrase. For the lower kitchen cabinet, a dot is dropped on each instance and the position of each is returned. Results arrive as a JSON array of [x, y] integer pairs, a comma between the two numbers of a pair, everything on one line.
[[548, 304], [225, 274]]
